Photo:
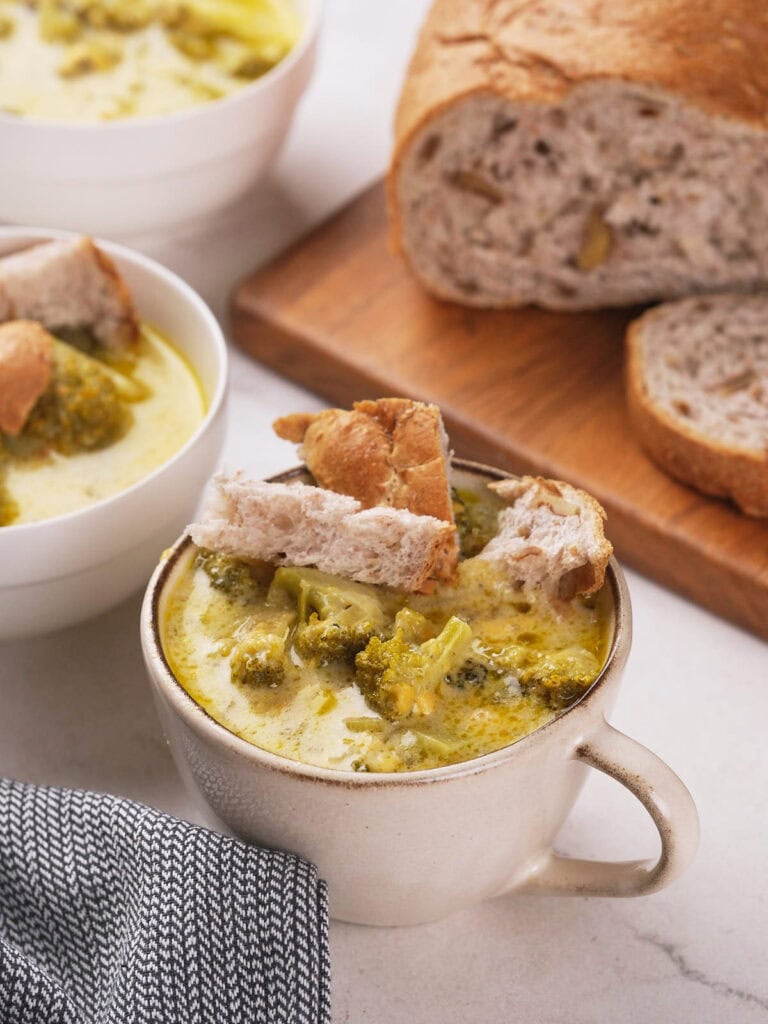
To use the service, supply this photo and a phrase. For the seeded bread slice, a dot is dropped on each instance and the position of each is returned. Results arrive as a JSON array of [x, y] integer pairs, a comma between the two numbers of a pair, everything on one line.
[[697, 388], [550, 536], [296, 524], [69, 284]]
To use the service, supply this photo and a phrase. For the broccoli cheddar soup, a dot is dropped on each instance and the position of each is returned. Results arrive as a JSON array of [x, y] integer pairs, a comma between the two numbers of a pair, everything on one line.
[[363, 678], [102, 60], [102, 424]]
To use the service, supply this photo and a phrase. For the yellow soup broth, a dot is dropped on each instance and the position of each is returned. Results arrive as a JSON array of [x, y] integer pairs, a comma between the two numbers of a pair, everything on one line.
[[101, 60], [528, 658], [165, 407]]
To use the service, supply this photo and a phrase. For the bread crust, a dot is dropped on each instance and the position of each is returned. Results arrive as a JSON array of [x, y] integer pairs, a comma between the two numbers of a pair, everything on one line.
[[26, 360], [710, 55], [69, 283], [386, 452], [125, 333], [587, 575], [718, 469]]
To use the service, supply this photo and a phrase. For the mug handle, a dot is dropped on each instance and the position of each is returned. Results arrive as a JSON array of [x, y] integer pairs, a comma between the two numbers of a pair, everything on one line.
[[663, 795]]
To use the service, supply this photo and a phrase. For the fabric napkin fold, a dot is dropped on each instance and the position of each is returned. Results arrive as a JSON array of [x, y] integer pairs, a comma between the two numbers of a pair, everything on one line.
[[114, 913]]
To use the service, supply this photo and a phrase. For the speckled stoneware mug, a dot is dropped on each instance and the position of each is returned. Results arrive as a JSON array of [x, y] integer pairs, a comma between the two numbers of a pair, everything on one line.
[[400, 849]]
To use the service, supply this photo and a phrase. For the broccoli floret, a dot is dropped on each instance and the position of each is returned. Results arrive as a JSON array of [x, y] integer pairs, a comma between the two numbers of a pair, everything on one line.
[[477, 519], [399, 678], [414, 626], [336, 617], [560, 677], [80, 410], [259, 659], [471, 673], [121, 362], [238, 579]]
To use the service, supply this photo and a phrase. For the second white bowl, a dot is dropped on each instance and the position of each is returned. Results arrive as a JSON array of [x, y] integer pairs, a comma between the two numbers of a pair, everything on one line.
[[60, 571], [138, 175]]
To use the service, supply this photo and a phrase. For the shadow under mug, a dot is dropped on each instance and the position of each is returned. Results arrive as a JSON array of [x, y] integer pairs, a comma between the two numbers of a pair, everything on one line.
[[406, 848]]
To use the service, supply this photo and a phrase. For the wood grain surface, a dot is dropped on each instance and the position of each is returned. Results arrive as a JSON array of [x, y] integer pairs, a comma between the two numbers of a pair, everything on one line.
[[525, 390]]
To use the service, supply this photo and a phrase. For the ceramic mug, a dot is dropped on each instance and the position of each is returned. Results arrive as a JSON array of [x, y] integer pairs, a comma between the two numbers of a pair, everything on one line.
[[406, 848]]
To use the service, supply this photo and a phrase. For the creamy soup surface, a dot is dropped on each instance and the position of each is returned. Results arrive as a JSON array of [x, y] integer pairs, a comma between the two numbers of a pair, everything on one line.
[[427, 680], [101, 60], [166, 407]]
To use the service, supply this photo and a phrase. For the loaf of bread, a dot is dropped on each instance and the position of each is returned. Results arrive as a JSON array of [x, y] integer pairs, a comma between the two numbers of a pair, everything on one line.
[[577, 155], [697, 387], [69, 284], [550, 537], [295, 524]]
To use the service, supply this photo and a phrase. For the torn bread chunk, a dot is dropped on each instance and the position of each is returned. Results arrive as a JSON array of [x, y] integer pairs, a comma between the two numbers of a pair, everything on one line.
[[391, 452], [697, 391], [550, 536], [69, 284], [26, 360], [297, 524]]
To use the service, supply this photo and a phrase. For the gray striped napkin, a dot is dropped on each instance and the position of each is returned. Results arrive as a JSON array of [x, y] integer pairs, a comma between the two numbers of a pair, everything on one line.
[[113, 913]]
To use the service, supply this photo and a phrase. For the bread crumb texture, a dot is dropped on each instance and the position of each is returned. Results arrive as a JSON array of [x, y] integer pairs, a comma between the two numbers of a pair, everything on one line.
[[583, 155], [697, 386]]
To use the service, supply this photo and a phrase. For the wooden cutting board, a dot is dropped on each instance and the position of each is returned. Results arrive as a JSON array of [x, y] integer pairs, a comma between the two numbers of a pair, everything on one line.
[[526, 390]]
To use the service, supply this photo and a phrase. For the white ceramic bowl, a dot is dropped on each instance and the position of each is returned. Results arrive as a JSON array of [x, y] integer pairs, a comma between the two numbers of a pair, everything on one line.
[[137, 175], [60, 571]]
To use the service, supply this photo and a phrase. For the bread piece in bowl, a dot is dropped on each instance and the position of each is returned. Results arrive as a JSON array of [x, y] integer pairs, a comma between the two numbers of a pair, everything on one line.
[[69, 284], [392, 451], [697, 388], [296, 524], [26, 361], [550, 536]]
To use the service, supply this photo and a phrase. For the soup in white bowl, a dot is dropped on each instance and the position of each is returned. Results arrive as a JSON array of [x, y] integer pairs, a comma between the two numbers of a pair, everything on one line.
[[62, 569], [93, 60]]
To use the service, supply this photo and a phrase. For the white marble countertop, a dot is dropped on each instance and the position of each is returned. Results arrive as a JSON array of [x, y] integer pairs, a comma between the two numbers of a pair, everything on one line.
[[76, 707]]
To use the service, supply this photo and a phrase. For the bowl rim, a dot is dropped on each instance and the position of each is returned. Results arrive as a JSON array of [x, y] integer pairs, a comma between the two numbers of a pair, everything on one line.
[[15, 531], [198, 719], [309, 33]]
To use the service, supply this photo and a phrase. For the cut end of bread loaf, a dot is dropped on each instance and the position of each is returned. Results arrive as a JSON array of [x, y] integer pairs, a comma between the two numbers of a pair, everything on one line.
[[697, 388], [26, 361], [69, 284], [612, 194], [297, 524], [551, 537]]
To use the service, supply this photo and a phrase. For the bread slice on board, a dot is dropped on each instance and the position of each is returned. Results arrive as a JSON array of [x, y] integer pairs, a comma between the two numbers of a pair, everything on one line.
[[550, 536], [697, 387], [69, 284], [583, 154], [296, 524]]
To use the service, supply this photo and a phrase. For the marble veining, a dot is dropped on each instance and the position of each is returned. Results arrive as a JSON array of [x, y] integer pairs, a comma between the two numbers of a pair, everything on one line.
[[698, 977]]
